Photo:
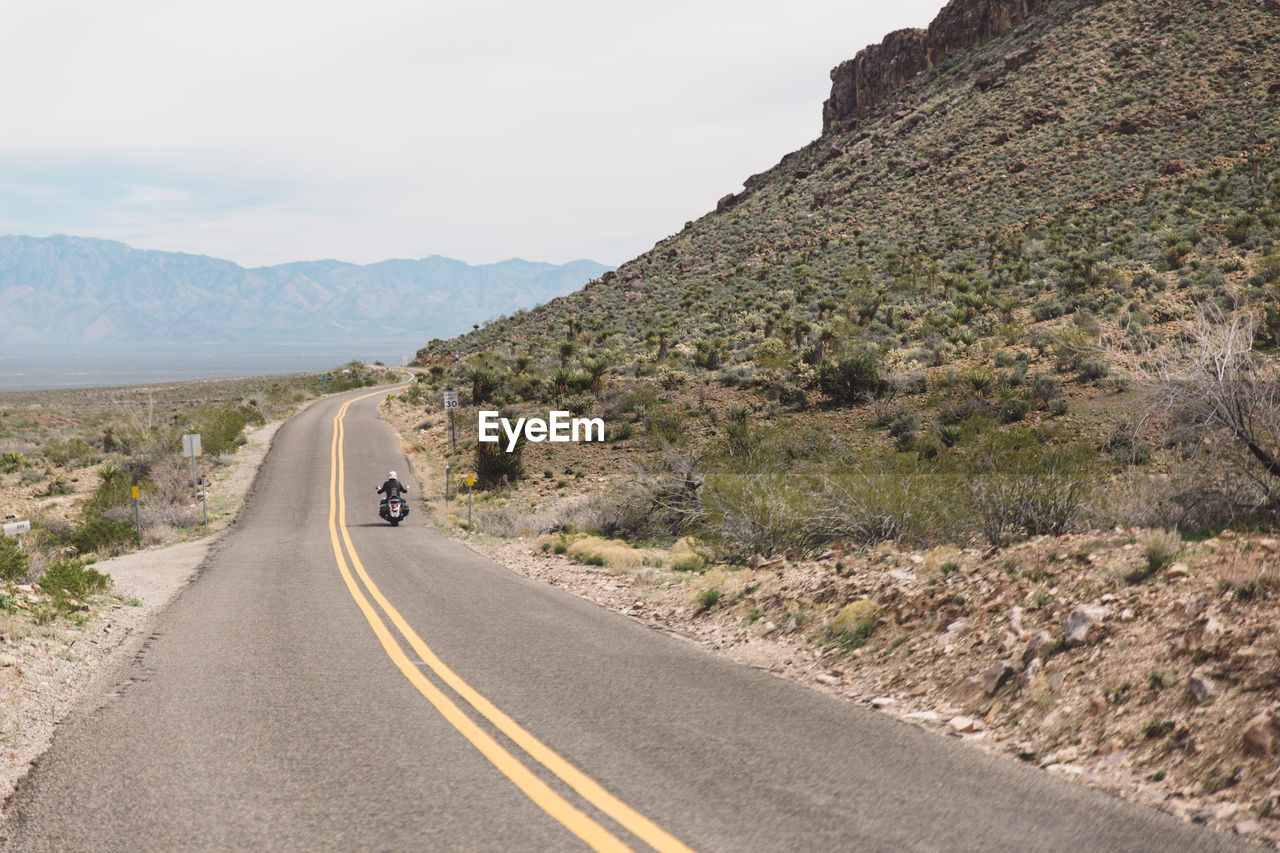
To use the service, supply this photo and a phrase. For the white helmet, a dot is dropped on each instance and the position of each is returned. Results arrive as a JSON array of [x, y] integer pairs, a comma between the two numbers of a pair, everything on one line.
[[391, 476]]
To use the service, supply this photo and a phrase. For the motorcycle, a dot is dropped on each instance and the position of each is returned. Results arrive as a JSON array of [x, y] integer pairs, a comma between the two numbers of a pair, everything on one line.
[[393, 510]]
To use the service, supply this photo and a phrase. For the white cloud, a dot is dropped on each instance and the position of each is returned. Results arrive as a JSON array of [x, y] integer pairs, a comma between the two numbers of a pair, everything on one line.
[[480, 130]]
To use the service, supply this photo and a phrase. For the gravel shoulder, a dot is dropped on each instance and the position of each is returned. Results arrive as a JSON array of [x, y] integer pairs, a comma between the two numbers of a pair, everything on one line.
[[45, 670]]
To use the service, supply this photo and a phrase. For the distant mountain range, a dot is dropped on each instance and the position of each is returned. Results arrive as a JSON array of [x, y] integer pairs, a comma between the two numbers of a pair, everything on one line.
[[74, 291]]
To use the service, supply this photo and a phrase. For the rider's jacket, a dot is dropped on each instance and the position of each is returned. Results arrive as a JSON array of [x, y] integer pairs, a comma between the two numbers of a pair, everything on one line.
[[392, 488]]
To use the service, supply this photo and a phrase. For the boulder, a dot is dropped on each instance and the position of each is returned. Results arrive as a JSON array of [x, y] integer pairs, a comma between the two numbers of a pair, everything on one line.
[[1199, 687], [1082, 624], [1262, 734], [995, 675]]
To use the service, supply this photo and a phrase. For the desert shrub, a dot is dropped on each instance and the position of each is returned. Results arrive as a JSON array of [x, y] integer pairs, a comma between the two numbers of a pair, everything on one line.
[[904, 429], [1047, 309], [11, 461], [221, 428], [708, 598], [103, 536], [1158, 548], [495, 466], [415, 395], [1091, 370], [686, 556], [852, 380], [662, 499], [1018, 483], [578, 404], [72, 578], [13, 560], [113, 490], [758, 512], [71, 452], [484, 381], [874, 499], [1013, 409], [613, 553], [670, 379], [664, 425]]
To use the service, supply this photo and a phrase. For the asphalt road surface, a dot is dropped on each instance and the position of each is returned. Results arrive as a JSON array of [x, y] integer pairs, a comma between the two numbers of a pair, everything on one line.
[[329, 682]]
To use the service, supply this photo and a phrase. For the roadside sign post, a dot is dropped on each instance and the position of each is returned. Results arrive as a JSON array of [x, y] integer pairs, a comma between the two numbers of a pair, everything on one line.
[[137, 517], [471, 479], [204, 494], [451, 403], [191, 447], [16, 529], [447, 471]]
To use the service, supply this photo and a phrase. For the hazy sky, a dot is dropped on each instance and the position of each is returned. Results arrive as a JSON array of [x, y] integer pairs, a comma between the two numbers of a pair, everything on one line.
[[263, 131]]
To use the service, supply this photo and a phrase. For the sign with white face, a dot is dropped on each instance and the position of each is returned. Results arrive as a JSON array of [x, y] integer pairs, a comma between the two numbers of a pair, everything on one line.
[[17, 528], [451, 399], [191, 444]]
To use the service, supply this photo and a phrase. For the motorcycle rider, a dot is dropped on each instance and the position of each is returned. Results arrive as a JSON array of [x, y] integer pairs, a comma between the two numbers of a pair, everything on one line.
[[392, 487]]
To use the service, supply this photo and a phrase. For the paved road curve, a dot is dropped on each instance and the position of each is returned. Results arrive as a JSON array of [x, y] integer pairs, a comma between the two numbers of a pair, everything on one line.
[[331, 683]]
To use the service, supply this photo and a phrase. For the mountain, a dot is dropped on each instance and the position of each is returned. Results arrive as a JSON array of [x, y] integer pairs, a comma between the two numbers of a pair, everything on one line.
[[1017, 162], [76, 290]]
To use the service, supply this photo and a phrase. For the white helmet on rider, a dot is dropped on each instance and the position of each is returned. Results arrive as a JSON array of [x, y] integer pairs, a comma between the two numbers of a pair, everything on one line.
[[391, 475]]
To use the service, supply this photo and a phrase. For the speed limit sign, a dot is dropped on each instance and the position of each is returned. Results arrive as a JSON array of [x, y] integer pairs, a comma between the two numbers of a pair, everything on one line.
[[451, 400]]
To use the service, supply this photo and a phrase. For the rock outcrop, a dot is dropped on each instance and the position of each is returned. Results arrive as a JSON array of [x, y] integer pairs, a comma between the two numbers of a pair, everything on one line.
[[878, 70]]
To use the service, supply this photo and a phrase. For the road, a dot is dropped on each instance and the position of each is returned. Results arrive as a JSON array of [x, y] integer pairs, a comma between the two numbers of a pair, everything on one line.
[[328, 682]]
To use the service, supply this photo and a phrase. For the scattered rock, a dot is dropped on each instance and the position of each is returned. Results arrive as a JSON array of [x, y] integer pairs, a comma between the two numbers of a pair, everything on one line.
[[1017, 166], [986, 81], [882, 702], [1272, 545], [1248, 826], [1039, 643], [1177, 570], [645, 575], [1015, 621], [756, 561], [1199, 687], [1127, 126], [1262, 733], [963, 724], [996, 675], [1082, 623], [1017, 59], [969, 693]]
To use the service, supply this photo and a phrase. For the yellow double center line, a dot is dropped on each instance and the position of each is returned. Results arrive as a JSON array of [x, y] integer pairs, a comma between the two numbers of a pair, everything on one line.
[[574, 819]]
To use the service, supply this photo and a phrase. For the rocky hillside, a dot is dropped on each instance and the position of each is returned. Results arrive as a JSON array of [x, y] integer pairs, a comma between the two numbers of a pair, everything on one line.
[[75, 290], [878, 71], [1114, 157]]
